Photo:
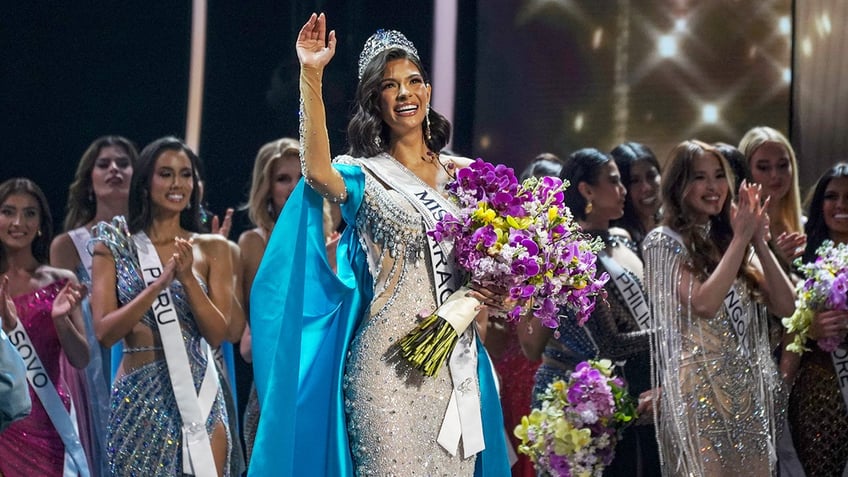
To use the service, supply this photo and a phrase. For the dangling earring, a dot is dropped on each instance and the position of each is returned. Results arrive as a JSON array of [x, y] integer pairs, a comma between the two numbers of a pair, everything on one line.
[[270, 206], [188, 207], [588, 209], [38, 234], [427, 125], [378, 142]]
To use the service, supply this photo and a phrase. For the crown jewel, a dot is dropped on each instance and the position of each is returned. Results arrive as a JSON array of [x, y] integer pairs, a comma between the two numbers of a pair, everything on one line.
[[383, 40]]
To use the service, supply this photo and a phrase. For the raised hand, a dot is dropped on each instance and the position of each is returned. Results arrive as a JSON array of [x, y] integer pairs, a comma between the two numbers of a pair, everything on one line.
[[7, 307], [223, 228], [745, 215], [68, 298], [314, 47]]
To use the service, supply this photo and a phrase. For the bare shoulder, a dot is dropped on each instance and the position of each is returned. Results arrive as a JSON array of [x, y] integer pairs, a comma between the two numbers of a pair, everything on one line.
[[212, 243], [63, 252], [252, 240]]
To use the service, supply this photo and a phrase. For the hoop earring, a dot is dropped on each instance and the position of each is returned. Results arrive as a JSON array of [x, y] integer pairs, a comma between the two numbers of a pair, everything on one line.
[[588, 209]]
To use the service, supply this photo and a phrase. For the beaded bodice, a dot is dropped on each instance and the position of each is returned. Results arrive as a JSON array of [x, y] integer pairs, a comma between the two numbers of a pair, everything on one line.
[[130, 283]]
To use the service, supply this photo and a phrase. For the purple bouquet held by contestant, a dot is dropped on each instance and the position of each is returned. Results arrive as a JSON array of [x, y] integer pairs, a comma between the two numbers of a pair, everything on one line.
[[512, 236]]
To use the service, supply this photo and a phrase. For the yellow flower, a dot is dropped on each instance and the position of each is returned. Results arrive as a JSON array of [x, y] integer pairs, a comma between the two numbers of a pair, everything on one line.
[[518, 223], [484, 214], [568, 439], [553, 212]]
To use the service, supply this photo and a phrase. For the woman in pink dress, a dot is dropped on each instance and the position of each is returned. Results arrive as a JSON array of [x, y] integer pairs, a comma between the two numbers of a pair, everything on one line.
[[40, 312]]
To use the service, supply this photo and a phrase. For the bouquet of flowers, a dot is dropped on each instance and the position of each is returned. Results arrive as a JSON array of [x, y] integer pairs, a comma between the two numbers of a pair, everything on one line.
[[580, 421], [518, 237], [824, 288]]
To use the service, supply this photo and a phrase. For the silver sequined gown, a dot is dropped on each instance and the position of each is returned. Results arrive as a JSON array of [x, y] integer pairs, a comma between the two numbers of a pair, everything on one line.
[[144, 435], [394, 413], [720, 395]]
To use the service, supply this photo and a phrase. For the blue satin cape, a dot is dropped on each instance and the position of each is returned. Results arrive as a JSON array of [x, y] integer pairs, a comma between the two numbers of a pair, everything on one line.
[[303, 318]]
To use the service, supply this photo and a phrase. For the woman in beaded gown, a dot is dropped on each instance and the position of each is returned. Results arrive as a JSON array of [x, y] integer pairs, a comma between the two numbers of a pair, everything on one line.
[[41, 302], [617, 330], [818, 412], [100, 191], [191, 295], [335, 399], [708, 273]]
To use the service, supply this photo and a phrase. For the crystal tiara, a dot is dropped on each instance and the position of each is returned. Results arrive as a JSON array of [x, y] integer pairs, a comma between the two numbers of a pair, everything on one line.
[[383, 40]]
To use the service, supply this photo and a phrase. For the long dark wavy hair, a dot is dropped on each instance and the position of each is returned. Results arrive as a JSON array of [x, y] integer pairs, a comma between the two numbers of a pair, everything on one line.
[[82, 205], [816, 228], [366, 124], [706, 251], [140, 210], [625, 155], [41, 244], [583, 165]]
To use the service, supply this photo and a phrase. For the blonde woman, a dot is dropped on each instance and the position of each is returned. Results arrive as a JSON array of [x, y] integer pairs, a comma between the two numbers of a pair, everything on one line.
[[773, 165]]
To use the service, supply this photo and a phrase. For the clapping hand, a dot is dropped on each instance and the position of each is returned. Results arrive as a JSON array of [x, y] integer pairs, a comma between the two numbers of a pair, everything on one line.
[[7, 307], [314, 47], [790, 245], [748, 218], [183, 258], [68, 298]]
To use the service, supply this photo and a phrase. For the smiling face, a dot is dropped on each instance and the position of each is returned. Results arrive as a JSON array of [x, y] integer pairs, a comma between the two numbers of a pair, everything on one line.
[[20, 220], [172, 182], [404, 97], [644, 189], [835, 209], [111, 174], [707, 190], [771, 167]]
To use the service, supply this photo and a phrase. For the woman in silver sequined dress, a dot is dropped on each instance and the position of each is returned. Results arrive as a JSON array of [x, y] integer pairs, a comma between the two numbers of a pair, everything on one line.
[[709, 271], [350, 406], [146, 432]]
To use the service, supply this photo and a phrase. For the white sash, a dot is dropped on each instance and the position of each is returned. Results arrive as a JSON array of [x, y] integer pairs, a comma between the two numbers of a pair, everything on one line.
[[80, 236], [630, 290], [64, 422], [732, 302], [463, 415], [839, 356], [738, 317], [840, 364], [194, 407]]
